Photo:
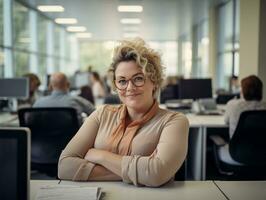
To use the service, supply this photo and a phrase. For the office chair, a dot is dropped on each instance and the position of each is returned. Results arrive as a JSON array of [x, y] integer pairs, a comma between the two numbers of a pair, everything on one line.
[[111, 99], [247, 147], [51, 129]]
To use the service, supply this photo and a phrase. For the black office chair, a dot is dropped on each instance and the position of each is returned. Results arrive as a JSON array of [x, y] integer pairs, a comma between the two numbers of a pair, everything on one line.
[[51, 129], [247, 146]]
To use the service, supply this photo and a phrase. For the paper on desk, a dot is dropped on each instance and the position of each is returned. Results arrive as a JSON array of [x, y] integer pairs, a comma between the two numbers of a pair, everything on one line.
[[68, 192]]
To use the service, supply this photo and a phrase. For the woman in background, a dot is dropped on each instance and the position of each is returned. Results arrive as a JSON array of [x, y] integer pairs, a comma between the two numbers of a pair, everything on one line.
[[98, 90]]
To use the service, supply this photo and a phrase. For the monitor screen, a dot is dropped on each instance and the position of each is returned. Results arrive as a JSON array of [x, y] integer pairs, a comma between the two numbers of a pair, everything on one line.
[[82, 79], [195, 88], [14, 167], [14, 87]]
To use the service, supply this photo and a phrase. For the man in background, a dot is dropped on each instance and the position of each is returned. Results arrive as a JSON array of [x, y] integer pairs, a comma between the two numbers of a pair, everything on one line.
[[60, 96]]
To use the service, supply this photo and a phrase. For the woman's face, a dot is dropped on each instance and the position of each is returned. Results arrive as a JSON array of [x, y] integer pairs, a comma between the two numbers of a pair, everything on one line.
[[137, 98]]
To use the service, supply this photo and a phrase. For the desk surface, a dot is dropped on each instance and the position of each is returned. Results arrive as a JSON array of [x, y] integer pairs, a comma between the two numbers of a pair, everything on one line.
[[118, 190], [36, 184], [206, 120], [243, 190]]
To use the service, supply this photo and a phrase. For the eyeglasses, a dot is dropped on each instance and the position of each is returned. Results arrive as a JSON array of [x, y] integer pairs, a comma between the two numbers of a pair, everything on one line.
[[137, 80]]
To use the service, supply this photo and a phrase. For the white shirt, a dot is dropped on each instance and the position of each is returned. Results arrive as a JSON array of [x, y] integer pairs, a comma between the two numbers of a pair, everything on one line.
[[97, 90]]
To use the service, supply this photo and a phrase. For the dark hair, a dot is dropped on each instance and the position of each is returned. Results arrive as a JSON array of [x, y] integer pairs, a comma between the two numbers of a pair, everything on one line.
[[86, 93], [252, 88], [96, 76], [33, 78]]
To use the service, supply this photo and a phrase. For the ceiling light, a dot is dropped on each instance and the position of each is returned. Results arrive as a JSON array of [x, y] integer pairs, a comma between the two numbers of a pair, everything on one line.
[[130, 21], [54, 8], [130, 8], [76, 29], [84, 35], [66, 20]]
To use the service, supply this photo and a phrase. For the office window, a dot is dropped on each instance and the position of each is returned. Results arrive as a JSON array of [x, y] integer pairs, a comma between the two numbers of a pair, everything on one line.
[[1, 62], [186, 60], [96, 54], [42, 69], [56, 64], [67, 46], [21, 31], [169, 54], [1, 22], [200, 50], [228, 43], [21, 63], [57, 30], [42, 33]]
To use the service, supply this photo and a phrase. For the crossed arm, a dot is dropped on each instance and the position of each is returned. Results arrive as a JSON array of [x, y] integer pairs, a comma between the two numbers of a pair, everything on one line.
[[108, 165]]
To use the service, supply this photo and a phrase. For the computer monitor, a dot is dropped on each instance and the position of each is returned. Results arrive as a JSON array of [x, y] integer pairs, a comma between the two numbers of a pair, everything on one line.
[[82, 79], [15, 163], [14, 88], [195, 88]]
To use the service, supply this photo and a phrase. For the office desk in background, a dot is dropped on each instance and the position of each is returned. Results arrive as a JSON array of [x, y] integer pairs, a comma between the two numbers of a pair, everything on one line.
[[243, 190], [196, 159], [186, 190]]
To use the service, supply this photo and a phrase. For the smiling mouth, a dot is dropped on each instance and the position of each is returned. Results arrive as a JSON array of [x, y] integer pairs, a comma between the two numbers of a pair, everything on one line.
[[132, 95]]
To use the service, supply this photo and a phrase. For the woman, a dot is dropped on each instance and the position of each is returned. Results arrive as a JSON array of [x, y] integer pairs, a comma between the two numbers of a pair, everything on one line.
[[34, 83], [98, 90], [136, 142]]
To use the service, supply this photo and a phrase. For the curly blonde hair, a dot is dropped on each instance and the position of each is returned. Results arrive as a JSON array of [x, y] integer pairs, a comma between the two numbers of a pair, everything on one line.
[[137, 50]]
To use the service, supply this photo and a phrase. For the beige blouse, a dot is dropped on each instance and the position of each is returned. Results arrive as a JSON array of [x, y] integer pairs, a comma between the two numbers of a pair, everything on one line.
[[158, 149]]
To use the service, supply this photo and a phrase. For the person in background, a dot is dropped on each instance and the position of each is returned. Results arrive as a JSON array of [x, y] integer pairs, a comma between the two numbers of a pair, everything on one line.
[[34, 83], [98, 90], [86, 93], [61, 98], [136, 142], [235, 86], [251, 96]]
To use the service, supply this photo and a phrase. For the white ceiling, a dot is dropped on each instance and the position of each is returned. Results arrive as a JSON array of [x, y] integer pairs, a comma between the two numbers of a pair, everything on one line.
[[162, 20]]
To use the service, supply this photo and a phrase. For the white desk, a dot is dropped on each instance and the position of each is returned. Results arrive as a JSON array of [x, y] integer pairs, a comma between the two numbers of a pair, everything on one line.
[[198, 141], [243, 190], [118, 190], [36, 184]]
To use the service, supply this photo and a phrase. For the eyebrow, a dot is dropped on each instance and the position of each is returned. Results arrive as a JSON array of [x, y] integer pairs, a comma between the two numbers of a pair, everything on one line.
[[139, 73]]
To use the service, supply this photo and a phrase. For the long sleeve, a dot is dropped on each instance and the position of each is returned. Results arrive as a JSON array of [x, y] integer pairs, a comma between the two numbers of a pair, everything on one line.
[[72, 165], [227, 112], [158, 168]]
